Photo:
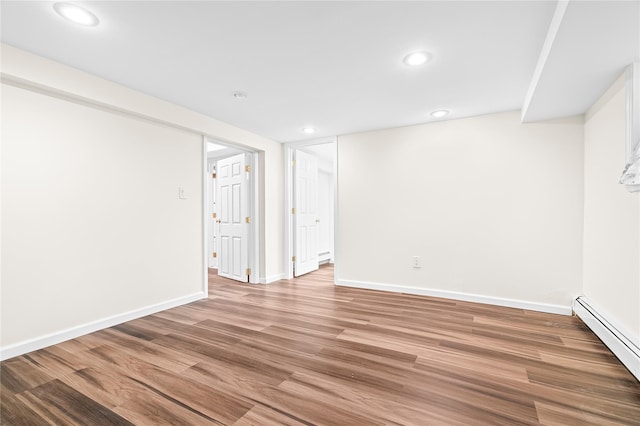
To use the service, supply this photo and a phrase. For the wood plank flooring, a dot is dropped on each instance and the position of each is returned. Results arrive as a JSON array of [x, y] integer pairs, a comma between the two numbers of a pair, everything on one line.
[[304, 352]]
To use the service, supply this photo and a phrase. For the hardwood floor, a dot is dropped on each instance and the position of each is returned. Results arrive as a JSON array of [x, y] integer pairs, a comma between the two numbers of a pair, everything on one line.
[[304, 352]]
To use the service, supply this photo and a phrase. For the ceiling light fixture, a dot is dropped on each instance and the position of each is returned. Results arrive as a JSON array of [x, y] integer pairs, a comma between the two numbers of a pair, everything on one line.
[[76, 14], [240, 95], [417, 58], [440, 113], [309, 130]]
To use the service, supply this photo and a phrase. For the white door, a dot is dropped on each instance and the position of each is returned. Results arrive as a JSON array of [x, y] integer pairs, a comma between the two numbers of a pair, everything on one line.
[[232, 179], [305, 215]]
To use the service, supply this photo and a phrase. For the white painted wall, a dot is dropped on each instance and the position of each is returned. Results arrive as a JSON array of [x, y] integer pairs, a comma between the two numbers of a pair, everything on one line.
[[21, 66], [492, 206], [611, 218], [92, 224], [92, 228]]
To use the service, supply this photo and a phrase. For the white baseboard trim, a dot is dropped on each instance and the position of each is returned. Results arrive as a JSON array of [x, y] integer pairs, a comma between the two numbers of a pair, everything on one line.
[[620, 344], [34, 344], [467, 297], [272, 278]]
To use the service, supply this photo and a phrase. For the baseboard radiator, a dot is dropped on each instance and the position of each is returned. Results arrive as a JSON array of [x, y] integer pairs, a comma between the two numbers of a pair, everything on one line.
[[324, 257], [623, 348]]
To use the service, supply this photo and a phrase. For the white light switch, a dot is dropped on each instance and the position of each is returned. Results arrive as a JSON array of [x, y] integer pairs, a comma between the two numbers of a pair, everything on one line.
[[181, 193]]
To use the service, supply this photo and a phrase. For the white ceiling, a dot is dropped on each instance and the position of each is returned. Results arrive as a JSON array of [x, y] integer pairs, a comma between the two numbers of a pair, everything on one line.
[[337, 66], [593, 44]]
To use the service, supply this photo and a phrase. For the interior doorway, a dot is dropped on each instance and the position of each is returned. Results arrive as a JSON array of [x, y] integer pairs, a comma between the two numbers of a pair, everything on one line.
[[231, 211], [310, 180]]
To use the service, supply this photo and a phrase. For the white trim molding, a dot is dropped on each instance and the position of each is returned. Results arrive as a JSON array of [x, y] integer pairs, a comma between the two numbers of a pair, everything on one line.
[[631, 174], [614, 337], [466, 297], [41, 342], [273, 278], [205, 218], [632, 109]]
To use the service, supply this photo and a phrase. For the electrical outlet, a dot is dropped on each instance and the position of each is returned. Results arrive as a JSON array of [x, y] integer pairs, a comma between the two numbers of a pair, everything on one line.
[[181, 193], [417, 262]]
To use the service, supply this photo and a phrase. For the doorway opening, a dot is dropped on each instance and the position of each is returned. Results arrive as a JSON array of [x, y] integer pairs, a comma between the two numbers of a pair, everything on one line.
[[311, 200], [231, 211]]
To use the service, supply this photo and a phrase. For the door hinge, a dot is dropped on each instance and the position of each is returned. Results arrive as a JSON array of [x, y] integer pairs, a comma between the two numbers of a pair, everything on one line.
[[293, 163], [213, 175], [293, 210], [247, 168], [215, 255], [248, 271], [247, 219], [293, 258]]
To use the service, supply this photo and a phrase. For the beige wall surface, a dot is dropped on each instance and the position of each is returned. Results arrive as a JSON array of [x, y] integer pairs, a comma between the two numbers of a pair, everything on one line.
[[611, 217], [493, 207], [91, 221], [22, 67]]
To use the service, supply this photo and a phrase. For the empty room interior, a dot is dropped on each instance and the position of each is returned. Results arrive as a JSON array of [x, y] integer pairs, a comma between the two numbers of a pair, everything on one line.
[[320, 213]]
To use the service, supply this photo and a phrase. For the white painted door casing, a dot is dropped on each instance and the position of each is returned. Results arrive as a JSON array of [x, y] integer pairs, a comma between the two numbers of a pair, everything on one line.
[[212, 260]]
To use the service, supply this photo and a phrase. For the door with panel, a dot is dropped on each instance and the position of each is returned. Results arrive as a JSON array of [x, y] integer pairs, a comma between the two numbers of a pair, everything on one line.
[[212, 219], [305, 214], [232, 182]]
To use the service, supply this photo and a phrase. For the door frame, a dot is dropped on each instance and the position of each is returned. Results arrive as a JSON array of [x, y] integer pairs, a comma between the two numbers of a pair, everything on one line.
[[288, 200], [253, 241]]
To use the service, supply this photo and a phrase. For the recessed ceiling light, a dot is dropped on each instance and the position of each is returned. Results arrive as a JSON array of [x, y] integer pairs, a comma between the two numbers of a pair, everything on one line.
[[240, 95], [309, 130], [440, 113], [417, 58], [77, 14]]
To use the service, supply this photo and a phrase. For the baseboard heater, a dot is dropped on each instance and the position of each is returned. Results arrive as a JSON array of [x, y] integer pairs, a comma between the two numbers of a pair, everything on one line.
[[622, 347], [325, 257]]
